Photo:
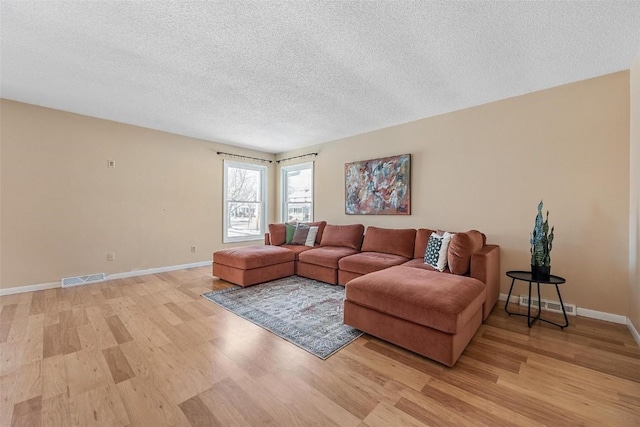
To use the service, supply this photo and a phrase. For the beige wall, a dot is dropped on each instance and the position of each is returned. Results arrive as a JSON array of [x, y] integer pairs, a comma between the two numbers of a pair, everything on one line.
[[63, 209], [487, 168], [634, 212]]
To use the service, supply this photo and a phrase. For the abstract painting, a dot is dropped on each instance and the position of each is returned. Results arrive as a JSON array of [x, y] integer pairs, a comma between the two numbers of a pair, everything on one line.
[[378, 186]]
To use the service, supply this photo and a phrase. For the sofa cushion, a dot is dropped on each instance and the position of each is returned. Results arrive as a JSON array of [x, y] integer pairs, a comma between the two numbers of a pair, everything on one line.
[[367, 262], [422, 239], [445, 302], [277, 234], [298, 249], [249, 257], [462, 246], [390, 241], [348, 236], [326, 256]]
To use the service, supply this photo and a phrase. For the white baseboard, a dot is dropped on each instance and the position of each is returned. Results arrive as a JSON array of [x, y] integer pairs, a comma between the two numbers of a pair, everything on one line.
[[584, 312], [601, 315], [30, 288], [157, 270], [634, 331], [53, 285]]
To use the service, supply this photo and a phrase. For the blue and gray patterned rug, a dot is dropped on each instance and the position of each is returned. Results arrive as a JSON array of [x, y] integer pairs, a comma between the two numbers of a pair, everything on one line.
[[304, 312]]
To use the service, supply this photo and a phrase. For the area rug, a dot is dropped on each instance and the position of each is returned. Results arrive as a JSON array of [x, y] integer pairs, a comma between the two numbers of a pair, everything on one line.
[[304, 312]]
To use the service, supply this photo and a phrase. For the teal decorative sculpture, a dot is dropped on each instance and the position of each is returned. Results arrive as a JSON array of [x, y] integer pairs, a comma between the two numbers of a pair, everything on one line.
[[541, 244]]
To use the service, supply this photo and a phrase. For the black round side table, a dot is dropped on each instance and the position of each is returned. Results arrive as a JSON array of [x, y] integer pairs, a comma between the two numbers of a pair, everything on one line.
[[526, 276]]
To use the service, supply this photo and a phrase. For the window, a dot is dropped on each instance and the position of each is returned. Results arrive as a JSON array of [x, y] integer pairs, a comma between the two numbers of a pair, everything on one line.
[[245, 201], [297, 192]]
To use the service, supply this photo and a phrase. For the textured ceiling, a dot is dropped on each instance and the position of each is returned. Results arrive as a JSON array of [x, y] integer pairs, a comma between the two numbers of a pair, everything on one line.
[[276, 75]]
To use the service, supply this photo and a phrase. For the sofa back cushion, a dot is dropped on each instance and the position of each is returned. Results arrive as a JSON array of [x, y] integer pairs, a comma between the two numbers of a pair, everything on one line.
[[462, 246], [390, 241], [422, 239], [348, 236], [278, 232]]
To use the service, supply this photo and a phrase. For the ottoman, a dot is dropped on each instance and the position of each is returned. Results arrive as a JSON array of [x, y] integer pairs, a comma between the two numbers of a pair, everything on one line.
[[428, 312], [250, 265]]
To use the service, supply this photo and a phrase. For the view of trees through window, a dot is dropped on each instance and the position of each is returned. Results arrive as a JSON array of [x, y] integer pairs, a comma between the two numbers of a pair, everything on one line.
[[297, 190], [244, 201]]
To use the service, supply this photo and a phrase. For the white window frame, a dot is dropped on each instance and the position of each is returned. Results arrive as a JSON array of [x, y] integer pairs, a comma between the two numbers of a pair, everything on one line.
[[263, 201], [283, 188]]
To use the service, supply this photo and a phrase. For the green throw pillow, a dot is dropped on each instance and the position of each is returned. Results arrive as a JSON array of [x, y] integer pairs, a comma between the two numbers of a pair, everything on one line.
[[290, 230]]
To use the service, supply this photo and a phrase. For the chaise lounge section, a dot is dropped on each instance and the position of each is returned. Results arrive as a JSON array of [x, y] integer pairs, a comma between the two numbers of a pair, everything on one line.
[[468, 255], [430, 313]]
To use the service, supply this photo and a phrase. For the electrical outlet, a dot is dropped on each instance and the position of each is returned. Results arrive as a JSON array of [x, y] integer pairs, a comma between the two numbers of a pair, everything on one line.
[[193, 249], [111, 256]]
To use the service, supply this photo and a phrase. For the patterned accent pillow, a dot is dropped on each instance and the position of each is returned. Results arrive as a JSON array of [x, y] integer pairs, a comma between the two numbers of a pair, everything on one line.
[[290, 230], [436, 253], [311, 237]]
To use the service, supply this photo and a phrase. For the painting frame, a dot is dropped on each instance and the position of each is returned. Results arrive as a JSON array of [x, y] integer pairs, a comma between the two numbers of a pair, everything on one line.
[[379, 186]]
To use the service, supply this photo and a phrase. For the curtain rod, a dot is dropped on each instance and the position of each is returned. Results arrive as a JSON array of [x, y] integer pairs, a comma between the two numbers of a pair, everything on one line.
[[297, 157], [238, 156]]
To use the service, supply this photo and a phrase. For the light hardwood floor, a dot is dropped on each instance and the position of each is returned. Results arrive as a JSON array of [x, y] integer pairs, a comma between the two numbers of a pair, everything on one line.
[[149, 351]]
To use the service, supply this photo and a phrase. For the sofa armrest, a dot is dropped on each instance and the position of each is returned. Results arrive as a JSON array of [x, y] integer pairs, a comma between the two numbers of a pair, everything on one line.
[[485, 266], [267, 239]]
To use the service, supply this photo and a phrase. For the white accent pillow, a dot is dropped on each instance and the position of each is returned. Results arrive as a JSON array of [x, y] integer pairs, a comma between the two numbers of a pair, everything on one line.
[[437, 250], [311, 237]]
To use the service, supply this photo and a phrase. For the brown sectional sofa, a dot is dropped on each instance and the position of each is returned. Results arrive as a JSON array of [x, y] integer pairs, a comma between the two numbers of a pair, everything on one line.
[[390, 292]]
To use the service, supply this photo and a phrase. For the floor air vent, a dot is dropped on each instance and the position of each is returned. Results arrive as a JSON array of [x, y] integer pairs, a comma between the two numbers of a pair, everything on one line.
[[83, 280], [549, 305]]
